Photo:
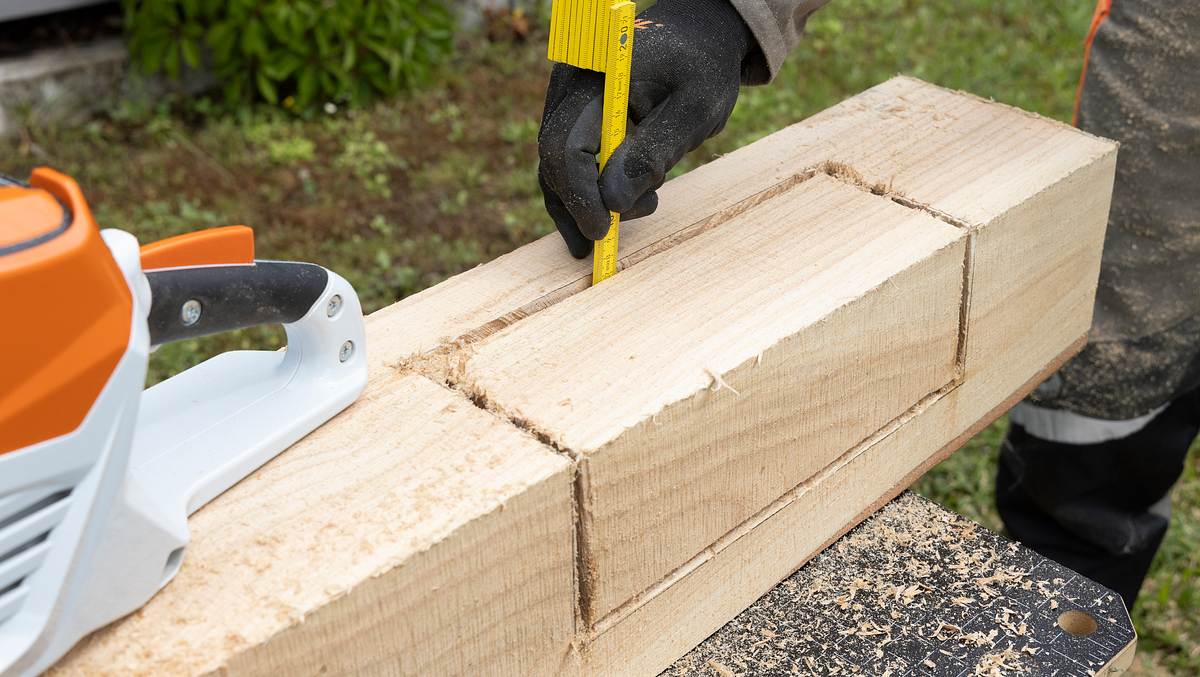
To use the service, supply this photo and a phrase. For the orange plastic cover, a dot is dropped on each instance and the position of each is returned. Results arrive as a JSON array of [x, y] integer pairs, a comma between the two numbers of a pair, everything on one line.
[[225, 246], [68, 313], [27, 214]]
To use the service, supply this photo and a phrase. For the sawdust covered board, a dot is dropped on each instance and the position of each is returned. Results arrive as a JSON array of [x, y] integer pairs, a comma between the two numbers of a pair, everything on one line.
[[919, 590]]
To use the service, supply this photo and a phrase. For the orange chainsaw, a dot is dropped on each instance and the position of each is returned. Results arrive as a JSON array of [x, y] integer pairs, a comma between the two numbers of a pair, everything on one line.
[[98, 474]]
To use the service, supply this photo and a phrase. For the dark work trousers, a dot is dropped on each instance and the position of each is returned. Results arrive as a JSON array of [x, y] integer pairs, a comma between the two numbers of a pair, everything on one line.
[[1100, 502], [1087, 467]]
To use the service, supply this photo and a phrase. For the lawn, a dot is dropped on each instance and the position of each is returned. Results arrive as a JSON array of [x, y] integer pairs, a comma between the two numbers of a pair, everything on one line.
[[401, 195]]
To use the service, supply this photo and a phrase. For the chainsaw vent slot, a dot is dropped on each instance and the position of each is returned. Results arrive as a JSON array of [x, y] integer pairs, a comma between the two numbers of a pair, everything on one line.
[[15, 507], [11, 600], [10, 588], [26, 520]]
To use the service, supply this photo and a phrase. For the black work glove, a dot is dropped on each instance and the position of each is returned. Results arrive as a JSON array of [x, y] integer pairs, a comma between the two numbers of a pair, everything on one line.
[[687, 67]]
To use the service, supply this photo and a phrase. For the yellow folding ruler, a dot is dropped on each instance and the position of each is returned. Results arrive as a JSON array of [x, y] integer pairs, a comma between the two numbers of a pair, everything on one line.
[[598, 35]]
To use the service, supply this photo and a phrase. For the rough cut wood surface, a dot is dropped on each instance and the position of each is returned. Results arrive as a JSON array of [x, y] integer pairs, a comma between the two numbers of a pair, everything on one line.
[[701, 596], [418, 533], [694, 392], [414, 534]]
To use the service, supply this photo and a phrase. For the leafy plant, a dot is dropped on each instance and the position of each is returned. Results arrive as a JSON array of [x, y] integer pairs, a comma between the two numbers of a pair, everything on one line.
[[369, 159], [295, 53], [281, 143]]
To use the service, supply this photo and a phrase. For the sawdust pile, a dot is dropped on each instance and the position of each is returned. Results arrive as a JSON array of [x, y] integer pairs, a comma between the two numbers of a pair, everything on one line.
[[916, 590]]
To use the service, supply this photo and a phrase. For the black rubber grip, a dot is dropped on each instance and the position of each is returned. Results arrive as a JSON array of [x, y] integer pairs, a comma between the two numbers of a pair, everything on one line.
[[230, 297]]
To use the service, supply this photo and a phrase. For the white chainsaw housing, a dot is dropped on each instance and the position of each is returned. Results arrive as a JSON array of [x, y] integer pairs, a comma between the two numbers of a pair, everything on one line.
[[94, 523]]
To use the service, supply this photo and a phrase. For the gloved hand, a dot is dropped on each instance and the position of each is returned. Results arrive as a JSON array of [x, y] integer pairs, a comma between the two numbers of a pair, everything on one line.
[[687, 67]]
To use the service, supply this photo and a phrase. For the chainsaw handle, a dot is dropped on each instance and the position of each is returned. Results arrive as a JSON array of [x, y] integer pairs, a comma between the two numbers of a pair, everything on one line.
[[193, 302]]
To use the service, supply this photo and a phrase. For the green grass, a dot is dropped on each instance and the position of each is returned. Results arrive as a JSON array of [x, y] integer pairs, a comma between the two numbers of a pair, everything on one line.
[[399, 196], [1027, 53]]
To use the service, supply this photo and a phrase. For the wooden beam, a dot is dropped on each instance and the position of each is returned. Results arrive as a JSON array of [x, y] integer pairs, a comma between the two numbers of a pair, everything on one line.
[[905, 263], [1033, 196], [618, 376]]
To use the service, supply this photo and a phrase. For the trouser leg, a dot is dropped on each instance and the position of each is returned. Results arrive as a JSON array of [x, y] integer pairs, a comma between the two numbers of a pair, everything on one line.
[[1142, 88], [1094, 495]]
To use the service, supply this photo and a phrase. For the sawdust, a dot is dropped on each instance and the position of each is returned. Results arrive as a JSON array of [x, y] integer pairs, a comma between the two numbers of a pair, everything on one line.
[[848, 175], [719, 383], [447, 365], [913, 590]]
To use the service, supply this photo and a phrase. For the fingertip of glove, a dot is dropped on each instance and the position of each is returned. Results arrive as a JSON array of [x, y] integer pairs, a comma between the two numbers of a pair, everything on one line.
[[645, 206], [617, 191], [577, 243], [594, 228], [580, 250]]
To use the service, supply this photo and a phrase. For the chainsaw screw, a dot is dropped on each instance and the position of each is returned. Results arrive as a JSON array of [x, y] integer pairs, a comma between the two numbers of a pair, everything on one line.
[[335, 304], [347, 351], [190, 312]]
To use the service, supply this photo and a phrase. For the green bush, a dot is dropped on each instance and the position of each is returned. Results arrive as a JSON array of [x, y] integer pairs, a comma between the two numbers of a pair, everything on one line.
[[295, 53]]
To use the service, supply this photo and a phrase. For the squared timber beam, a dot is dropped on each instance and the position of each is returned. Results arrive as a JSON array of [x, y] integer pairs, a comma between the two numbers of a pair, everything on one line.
[[549, 479], [1032, 196]]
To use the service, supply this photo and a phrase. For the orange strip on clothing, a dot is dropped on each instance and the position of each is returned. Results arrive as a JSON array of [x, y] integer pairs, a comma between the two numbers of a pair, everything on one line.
[[1103, 9]]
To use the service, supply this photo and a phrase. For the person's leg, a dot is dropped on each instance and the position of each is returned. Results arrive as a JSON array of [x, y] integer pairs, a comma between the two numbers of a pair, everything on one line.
[[1141, 87], [1091, 494], [1085, 474]]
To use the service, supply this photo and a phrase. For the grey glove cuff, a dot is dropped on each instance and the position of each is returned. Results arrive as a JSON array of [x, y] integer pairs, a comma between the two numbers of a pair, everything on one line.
[[777, 26]]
